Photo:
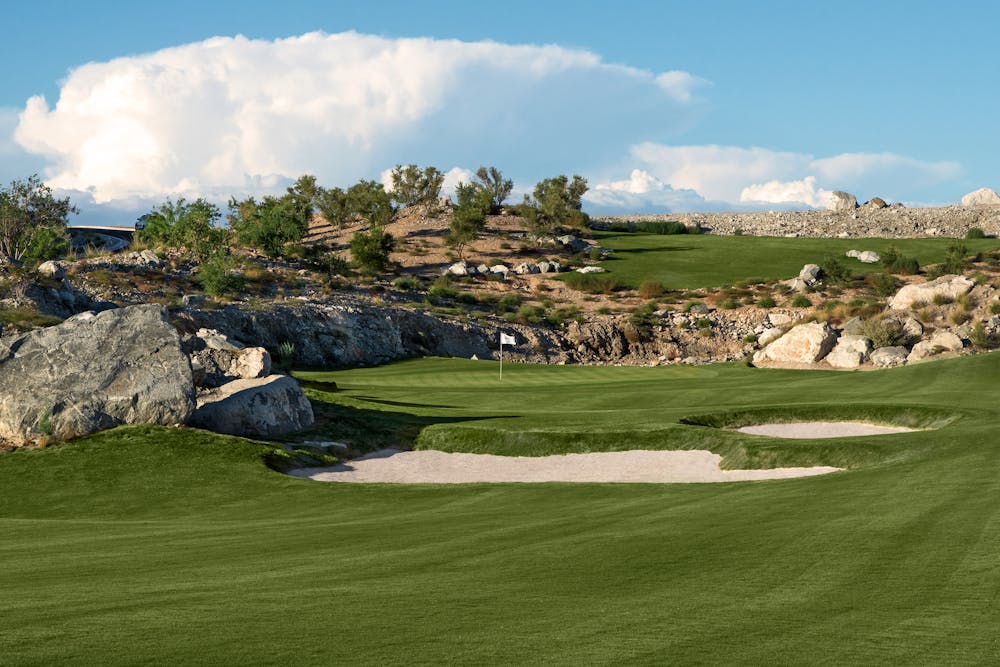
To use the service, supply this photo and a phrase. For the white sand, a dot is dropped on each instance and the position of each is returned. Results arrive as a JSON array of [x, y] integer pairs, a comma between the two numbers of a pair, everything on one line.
[[434, 467], [822, 429]]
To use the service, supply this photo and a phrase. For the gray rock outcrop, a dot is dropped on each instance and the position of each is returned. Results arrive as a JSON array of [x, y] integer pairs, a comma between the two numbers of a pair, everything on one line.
[[950, 287], [850, 352], [94, 372], [940, 343], [888, 357], [803, 344], [254, 408]]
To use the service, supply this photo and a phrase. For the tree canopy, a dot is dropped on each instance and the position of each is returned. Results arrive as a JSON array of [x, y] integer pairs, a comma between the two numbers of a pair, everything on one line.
[[33, 221]]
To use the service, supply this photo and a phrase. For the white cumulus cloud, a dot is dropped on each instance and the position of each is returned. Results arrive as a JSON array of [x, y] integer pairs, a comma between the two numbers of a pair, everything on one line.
[[232, 112], [804, 191]]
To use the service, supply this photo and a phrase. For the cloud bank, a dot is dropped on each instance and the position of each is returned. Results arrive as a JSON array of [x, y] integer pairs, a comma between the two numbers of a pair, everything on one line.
[[241, 114], [755, 177]]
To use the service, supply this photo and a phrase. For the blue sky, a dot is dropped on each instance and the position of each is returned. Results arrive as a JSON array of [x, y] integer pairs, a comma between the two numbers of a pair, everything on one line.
[[769, 104]]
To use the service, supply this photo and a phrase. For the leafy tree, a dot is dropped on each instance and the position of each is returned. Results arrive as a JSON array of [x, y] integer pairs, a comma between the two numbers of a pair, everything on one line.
[[556, 201], [495, 185], [469, 215], [370, 250], [333, 205], [218, 278], [273, 222], [33, 221], [413, 185], [365, 199], [369, 200], [181, 224]]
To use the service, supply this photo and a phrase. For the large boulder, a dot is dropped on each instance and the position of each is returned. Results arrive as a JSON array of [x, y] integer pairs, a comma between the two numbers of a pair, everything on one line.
[[951, 287], [940, 343], [888, 357], [865, 256], [850, 352], [94, 372], [810, 274], [842, 201], [803, 344], [981, 197], [254, 408], [216, 360]]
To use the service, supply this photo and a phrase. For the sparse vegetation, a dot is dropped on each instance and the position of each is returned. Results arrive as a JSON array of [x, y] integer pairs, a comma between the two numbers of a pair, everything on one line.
[[413, 185]]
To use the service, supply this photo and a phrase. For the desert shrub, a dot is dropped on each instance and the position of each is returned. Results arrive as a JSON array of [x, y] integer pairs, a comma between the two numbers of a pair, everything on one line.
[[442, 289], [894, 262], [497, 188], [882, 332], [727, 304], [651, 289], [182, 224], [975, 233], [883, 284], [560, 316], [836, 272], [509, 302], [691, 305], [965, 302], [980, 338], [954, 258], [766, 302], [405, 284], [958, 317], [750, 339], [995, 308], [370, 250], [942, 299], [801, 301], [703, 323], [217, 276], [530, 315], [592, 283], [643, 319]]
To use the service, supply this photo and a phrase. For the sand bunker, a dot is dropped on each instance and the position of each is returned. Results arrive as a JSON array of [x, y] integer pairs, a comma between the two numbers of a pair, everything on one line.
[[821, 429], [433, 467]]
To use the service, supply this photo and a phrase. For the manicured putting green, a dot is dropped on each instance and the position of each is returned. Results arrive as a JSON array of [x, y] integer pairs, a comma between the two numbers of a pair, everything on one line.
[[153, 545], [690, 261]]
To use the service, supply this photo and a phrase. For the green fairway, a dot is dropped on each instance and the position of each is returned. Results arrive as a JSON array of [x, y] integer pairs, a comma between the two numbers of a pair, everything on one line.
[[171, 546], [691, 261]]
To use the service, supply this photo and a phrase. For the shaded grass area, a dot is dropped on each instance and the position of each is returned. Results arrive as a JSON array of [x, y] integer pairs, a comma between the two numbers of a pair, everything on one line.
[[688, 262], [156, 545]]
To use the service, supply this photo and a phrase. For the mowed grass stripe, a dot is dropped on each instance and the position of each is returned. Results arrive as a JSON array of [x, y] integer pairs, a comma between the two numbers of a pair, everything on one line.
[[171, 545]]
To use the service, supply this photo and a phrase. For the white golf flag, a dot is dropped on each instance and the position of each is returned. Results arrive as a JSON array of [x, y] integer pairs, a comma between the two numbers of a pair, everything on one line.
[[507, 340]]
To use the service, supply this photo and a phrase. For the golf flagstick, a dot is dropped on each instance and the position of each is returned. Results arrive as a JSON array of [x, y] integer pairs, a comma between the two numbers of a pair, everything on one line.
[[510, 340]]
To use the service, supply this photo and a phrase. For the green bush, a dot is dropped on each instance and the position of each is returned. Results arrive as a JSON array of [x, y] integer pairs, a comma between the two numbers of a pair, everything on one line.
[[181, 224], [592, 283], [663, 227], [975, 233], [954, 259], [413, 185], [894, 262], [555, 201], [883, 284], [217, 277], [882, 332], [650, 289], [370, 250], [442, 289], [766, 302], [33, 221], [407, 284], [801, 301], [836, 273]]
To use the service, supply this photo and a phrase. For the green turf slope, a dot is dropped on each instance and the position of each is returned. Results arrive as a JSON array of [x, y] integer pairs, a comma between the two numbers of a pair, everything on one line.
[[151, 545], [691, 261]]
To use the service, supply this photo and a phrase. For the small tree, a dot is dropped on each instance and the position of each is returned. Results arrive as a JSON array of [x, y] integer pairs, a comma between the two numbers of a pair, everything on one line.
[[369, 200], [270, 224], [333, 206], [183, 225], [469, 215], [33, 221], [495, 185], [370, 250], [556, 201], [413, 185]]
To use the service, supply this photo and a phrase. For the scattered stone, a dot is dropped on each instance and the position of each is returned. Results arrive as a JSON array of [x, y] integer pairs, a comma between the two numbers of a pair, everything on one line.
[[459, 269], [591, 269], [981, 197], [94, 372], [874, 204], [255, 408], [803, 344], [850, 352], [948, 286], [865, 256], [52, 270], [810, 274], [572, 242], [888, 357], [192, 300], [500, 269], [526, 268]]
